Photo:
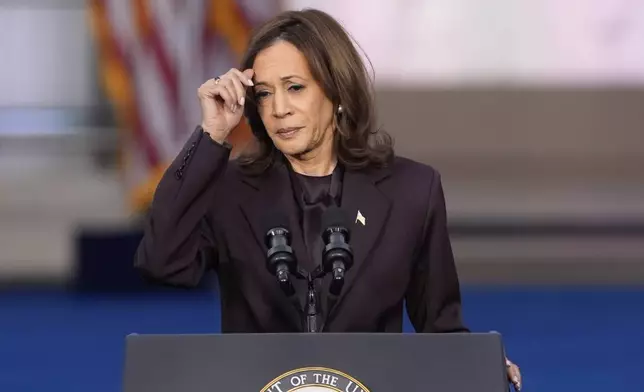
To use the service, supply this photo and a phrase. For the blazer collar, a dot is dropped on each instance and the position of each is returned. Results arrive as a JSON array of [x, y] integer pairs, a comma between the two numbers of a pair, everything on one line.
[[273, 191]]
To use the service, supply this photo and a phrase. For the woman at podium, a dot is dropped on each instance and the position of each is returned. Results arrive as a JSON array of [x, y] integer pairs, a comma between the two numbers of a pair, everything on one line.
[[320, 225]]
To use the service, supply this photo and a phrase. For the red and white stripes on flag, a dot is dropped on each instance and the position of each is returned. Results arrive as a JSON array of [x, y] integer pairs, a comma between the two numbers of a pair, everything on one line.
[[153, 55]]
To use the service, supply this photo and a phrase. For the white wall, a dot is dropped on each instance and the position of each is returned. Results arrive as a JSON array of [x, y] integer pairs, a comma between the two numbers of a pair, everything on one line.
[[47, 57], [48, 182], [430, 42]]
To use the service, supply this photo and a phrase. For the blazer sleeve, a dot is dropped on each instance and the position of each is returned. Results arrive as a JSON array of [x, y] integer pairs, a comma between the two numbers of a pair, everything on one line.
[[178, 246], [433, 297]]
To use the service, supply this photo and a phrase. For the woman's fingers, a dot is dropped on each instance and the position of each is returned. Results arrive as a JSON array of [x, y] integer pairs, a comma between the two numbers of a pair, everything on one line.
[[514, 374], [236, 83], [244, 77], [232, 96], [220, 90], [238, 86]]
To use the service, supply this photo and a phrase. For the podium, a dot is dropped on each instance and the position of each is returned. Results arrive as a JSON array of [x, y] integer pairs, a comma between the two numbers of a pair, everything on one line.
[[315, 362]]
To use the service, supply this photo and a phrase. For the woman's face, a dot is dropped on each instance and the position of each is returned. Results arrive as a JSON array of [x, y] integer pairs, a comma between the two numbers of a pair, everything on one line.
[[296, 113]]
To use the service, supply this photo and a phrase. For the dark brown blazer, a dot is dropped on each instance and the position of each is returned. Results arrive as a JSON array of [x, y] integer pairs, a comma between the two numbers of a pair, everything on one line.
[[207, 215]]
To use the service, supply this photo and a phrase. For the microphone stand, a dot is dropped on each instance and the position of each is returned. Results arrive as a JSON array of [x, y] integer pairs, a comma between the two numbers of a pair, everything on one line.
[[312, 305], [336, 259], [310, 317], [312, 310]]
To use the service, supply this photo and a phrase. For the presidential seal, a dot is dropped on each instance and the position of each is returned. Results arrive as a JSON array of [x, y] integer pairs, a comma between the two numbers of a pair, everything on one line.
[[315, 379]]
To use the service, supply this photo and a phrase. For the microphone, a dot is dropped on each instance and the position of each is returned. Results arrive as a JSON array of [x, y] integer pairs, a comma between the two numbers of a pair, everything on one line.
[[338, 256], [280, 259]]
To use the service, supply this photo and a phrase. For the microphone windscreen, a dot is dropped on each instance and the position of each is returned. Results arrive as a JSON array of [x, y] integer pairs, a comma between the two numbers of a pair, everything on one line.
[[274, 218], [335, 217]]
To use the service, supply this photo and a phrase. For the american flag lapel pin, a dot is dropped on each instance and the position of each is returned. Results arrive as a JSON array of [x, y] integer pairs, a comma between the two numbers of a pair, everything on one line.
[[360, 218]]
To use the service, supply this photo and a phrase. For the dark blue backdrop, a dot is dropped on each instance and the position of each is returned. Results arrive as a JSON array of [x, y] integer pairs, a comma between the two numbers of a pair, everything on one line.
[[565, 339]]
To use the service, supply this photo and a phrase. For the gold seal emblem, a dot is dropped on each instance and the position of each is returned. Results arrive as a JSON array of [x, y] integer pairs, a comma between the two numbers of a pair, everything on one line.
[[315, 379]]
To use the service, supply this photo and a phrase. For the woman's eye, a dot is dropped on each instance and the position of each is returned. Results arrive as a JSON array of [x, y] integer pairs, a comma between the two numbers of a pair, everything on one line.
[[296, 87], [261, 94]]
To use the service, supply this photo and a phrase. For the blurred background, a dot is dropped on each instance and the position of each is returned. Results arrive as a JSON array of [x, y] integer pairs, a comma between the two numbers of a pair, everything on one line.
[[533, 111]]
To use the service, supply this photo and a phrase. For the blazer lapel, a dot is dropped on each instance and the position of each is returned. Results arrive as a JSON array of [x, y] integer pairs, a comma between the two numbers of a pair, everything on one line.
[[368, 210], [273, 190]]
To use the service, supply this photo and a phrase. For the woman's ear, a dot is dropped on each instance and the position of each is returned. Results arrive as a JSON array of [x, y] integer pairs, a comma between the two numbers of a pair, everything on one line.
[[337, 118]]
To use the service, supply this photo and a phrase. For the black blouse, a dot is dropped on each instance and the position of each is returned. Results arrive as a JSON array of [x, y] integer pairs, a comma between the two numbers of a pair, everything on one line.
[[313, 196]]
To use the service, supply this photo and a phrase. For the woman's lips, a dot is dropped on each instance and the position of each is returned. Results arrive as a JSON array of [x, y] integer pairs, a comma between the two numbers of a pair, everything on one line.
[[287, 133]]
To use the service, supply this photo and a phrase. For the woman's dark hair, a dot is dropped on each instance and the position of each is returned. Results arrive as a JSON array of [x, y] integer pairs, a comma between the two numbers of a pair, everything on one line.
[[336, 65]]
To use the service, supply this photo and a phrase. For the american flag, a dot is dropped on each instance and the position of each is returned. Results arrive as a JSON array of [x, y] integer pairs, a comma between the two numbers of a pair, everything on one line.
[[153, 55]]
